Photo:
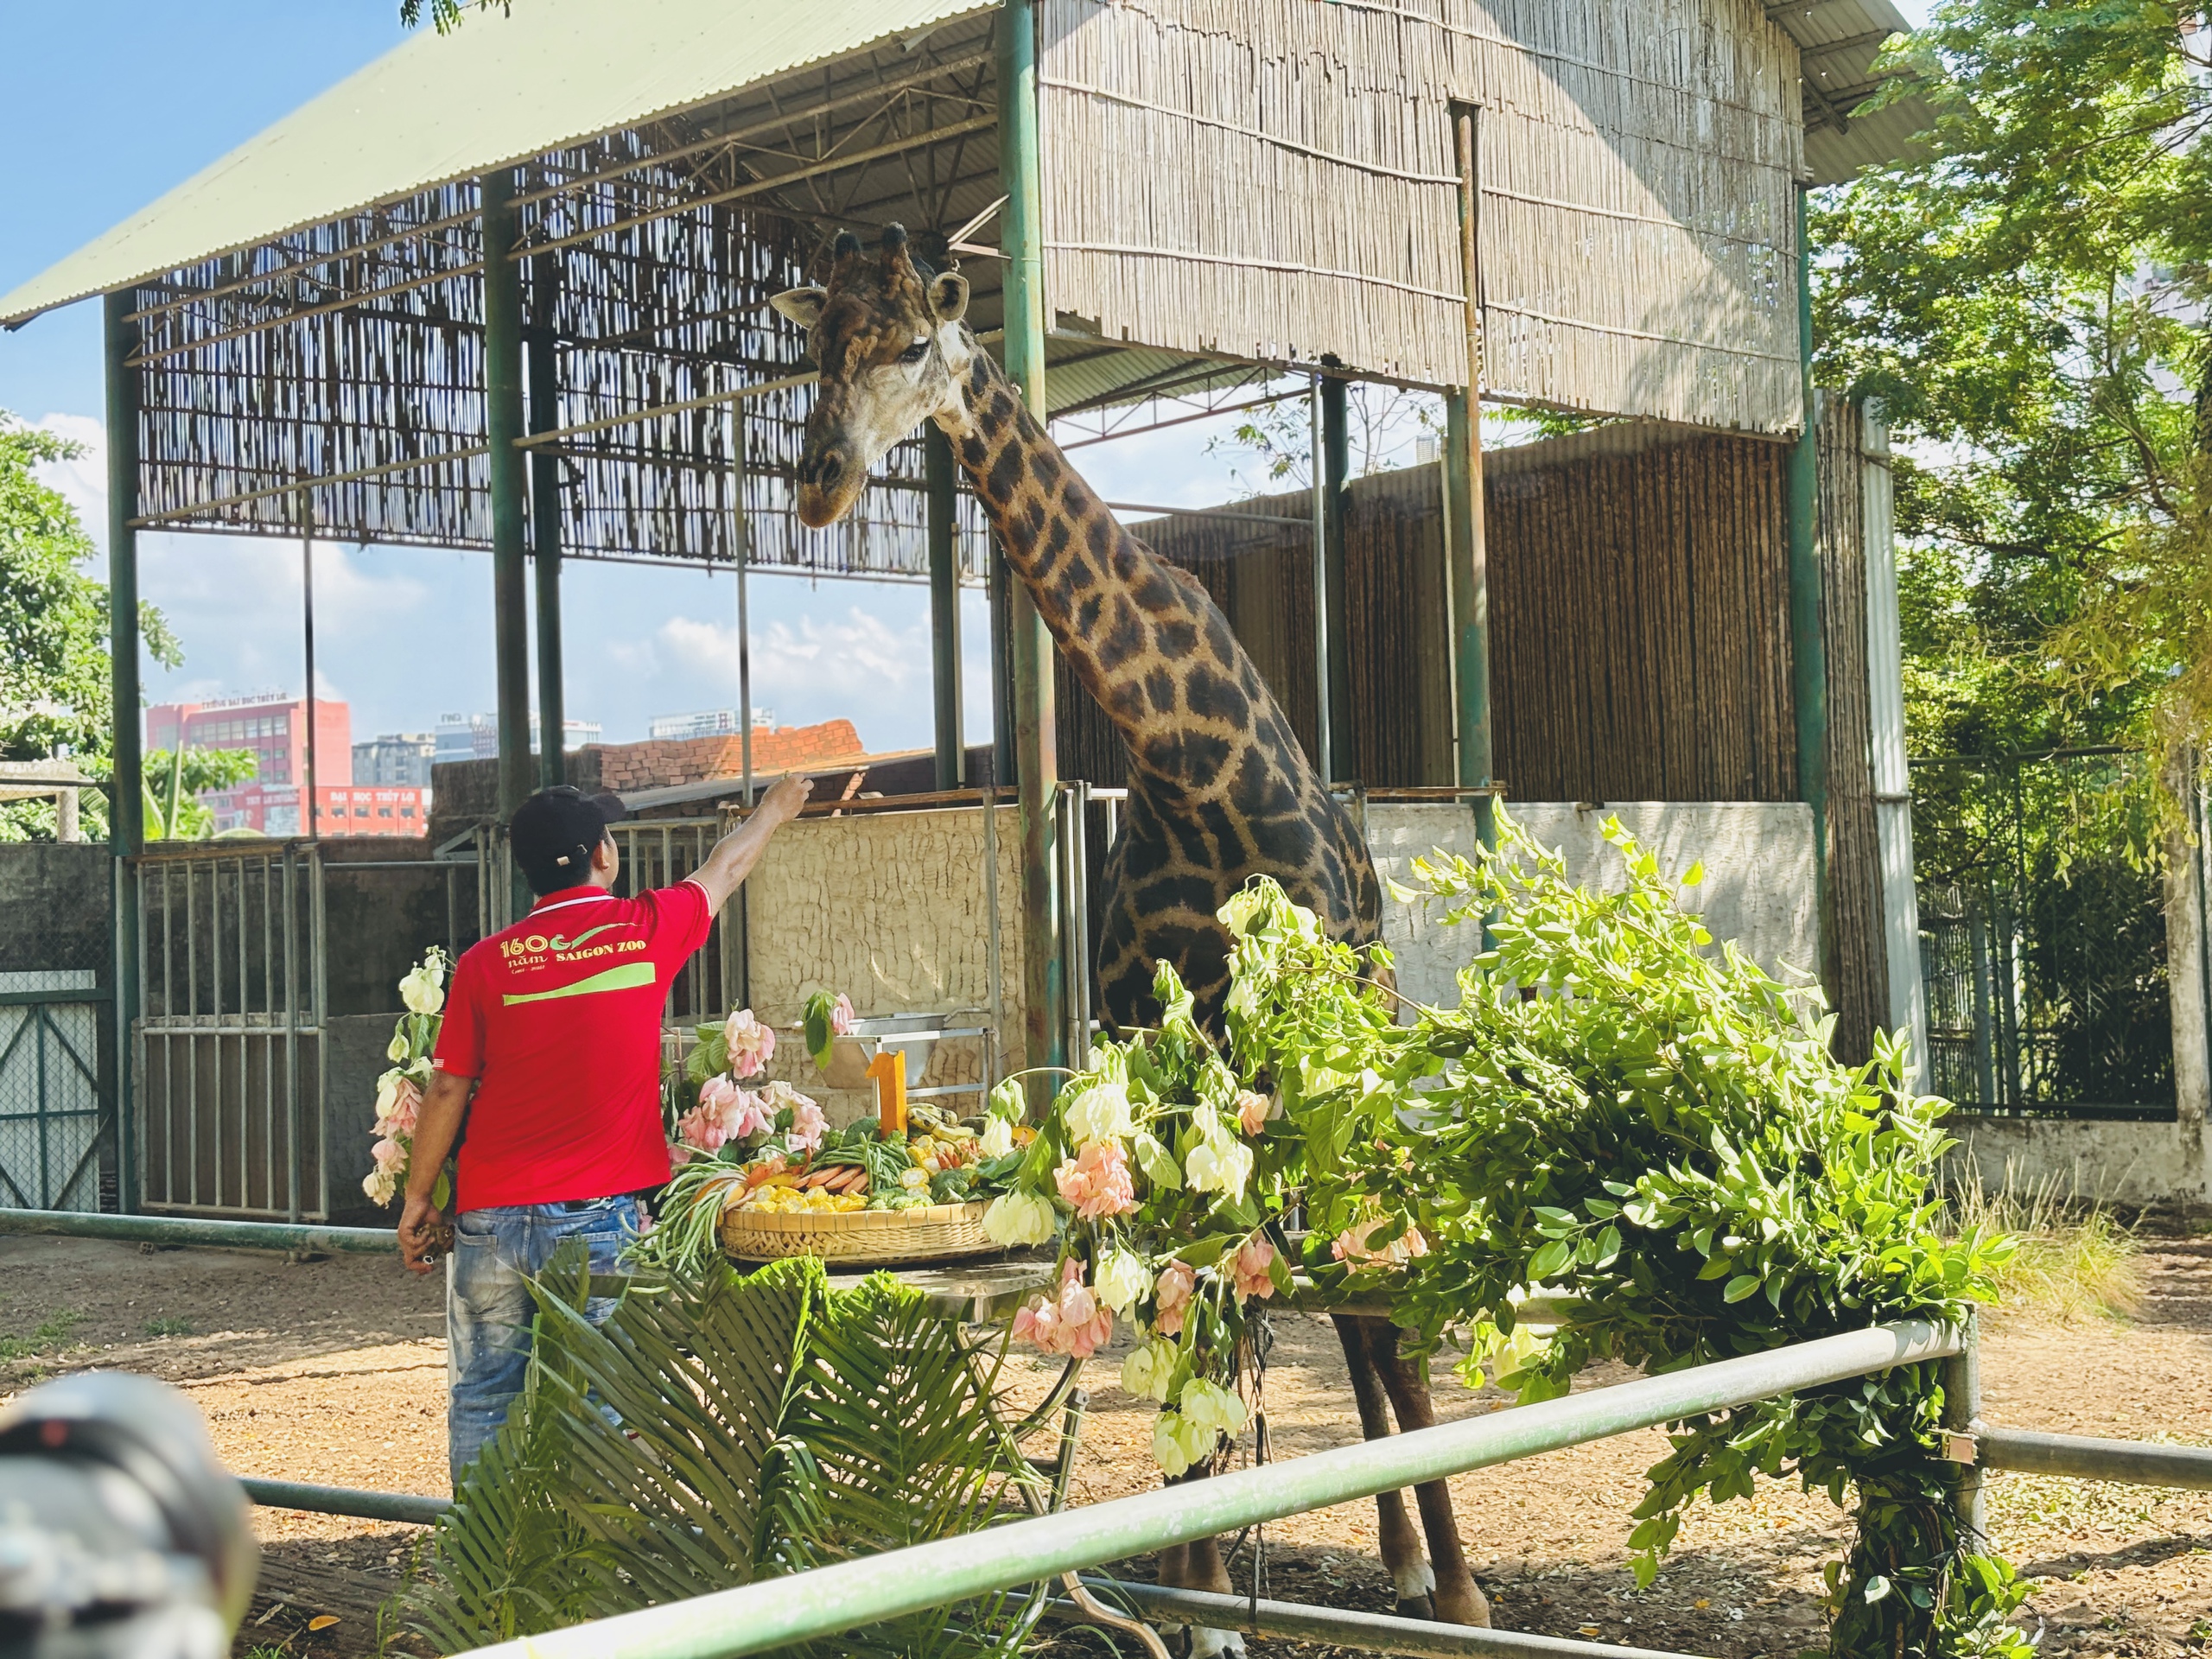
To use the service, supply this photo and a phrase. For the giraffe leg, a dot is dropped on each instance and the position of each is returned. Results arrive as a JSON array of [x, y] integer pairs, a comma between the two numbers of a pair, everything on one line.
[[1458, 1599], [1401, 1553], [1198, 1566]]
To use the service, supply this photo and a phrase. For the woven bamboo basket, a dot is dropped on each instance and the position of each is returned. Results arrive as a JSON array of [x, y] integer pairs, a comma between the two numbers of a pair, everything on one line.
[[861, 1237]]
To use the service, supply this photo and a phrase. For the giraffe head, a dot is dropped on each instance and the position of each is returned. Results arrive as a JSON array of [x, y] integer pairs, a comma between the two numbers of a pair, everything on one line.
[[887, 334]]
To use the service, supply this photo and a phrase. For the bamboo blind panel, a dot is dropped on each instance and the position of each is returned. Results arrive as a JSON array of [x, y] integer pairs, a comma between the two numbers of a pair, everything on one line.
[[1857, 969], [1276, 179], [1639, 621]]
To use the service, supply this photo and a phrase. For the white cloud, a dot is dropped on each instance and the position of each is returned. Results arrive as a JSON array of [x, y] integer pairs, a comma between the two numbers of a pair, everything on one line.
[[83, 480]]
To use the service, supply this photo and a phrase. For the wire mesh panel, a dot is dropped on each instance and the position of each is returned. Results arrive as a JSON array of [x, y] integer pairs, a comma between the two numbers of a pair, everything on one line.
[[51, 1116], [2042, 938], [232, 994], [659, 853]]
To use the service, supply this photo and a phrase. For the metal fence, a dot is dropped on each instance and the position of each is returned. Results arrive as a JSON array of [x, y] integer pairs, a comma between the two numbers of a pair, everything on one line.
[[2042, 938], [55, 1102]]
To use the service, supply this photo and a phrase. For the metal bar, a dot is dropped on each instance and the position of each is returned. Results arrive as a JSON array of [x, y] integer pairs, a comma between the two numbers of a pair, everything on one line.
[[1333, 473], [504, 422], [1808, 662], [1469, 567], [126, 803], [1325, 747], [757, 1619], [1962, 1406], [191, 1006], [941, 473], [2078, 1457], [1371, 1633], [406, 1507], [742, 540], [994, 964], [215, 1235], [543, 366], [318, 989], [291, 1023], [321, 480], [310, 819], [22, 999], [1030, 658]]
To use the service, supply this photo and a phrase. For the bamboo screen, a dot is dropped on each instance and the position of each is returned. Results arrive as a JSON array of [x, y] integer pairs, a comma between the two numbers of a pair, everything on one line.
[[1639, 621], [1277, 179]]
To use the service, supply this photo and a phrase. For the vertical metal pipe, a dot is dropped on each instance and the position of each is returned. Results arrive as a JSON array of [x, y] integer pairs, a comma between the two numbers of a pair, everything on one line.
[[1961, 1412], [1809, 657], [1463, 452], [543, 366], [503, 416], [941, 473], [1325, 747], [291, 1023], [1030, 656], [742, 535], [127, 801], [1345, 762], [999, 592], [311, 803]]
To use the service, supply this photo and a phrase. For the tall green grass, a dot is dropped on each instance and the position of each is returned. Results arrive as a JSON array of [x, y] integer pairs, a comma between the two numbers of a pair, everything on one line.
[[2076, 1259]]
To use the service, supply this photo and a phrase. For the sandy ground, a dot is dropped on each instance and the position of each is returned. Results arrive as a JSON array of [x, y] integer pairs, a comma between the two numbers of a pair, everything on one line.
[[333, 1371]]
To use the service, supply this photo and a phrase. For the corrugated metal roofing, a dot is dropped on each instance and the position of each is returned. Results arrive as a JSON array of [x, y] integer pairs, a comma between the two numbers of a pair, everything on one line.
[[498, 91], [1837, 41]]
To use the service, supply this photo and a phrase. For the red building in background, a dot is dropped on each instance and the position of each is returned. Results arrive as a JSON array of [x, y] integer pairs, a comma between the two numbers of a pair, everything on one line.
[[275, 728]]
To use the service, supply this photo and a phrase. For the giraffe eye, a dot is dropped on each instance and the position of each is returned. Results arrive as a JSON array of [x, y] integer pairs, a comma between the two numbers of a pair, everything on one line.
[[915, 353]]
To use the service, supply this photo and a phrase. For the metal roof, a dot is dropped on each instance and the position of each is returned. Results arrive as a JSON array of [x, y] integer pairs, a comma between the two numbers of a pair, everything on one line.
[[1837, 41], [496, 92]]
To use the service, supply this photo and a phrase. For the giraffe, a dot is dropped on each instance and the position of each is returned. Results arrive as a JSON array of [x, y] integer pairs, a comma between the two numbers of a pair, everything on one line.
[[1219, 787]]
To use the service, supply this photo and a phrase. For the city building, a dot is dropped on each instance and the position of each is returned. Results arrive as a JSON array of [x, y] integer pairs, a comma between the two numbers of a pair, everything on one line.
[[395, 758], [344, 809], [270, 724], [710, 722], [474, 737]]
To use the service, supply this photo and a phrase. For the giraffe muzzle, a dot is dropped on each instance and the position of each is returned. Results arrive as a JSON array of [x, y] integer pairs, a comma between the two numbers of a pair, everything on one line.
[[828, 484]]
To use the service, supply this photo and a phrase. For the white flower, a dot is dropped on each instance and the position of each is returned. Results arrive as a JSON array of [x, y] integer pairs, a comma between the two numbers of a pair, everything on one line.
[[396, 1051], [1147, 1370], [388, 1092], [997, 1137], [1124, 1278], [1219, 1167], [422, 990], [1211, 1406], [1167, 1447], [1018, 1218], [1101, 1113]]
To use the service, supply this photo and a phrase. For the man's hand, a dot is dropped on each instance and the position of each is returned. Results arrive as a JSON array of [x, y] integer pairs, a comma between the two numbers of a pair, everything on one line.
[[423, 1234], [735, 853], [783, 801]]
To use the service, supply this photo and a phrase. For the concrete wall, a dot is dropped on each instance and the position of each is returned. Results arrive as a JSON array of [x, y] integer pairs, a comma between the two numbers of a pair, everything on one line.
[[1757, 888], [56, 902]]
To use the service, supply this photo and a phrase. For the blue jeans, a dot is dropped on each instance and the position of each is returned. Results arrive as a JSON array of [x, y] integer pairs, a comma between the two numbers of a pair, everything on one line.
[[489, 1307]]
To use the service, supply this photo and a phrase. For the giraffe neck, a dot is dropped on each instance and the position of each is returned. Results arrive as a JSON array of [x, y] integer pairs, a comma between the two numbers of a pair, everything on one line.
[[1143, 637]]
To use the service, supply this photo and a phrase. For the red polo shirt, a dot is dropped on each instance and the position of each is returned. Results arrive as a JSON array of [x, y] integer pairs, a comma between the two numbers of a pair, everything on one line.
[[558, 1019]]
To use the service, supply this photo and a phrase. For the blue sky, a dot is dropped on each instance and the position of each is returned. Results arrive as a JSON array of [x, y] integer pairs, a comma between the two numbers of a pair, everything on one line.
[[405, 633]]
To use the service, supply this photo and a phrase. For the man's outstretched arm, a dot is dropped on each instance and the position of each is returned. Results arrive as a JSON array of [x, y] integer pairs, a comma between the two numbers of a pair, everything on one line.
[[735, 853]]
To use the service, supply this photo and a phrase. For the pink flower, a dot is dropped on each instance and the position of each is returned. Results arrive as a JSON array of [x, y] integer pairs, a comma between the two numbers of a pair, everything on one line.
[[1098, 1183], [701, 1128], [1249, 1274], [1172, 1297], [678, 1153], [747, 1116], [388, 1154], [1252, 1111], [751, 1044], [808, 1125], [1352, 1245], [841, 1018], [406, 1102], [1072, 1323]]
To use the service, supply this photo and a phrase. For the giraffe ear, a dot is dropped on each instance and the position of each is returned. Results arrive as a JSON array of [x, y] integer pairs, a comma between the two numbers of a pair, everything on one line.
[[948, 296], [802, 305]]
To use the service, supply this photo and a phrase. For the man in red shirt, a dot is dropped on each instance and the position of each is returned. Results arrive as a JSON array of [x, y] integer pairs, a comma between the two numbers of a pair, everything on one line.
[[551, 1050]]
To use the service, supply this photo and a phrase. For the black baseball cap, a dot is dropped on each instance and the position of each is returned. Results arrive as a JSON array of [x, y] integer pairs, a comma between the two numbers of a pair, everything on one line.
[[554, 832]]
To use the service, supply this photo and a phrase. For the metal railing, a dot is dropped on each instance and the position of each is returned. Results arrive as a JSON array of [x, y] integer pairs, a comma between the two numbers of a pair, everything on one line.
[[55, 1106]]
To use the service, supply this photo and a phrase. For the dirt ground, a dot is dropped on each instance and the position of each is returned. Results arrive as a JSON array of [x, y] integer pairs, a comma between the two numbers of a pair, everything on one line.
[[333, 1371]]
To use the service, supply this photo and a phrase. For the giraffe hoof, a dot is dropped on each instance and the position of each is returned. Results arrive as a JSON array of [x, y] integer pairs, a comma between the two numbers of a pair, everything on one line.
[[1215, 1644], [1416, 1607]]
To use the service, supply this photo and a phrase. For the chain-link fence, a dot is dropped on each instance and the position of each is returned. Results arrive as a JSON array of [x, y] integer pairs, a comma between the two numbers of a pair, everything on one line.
[[2042, 938]]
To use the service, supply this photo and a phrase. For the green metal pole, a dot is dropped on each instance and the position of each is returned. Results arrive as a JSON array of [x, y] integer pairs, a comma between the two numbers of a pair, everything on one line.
[[212, 1234], [941, 473], [1335, 473], [1808, 656], [502, 415], [1030, 656], [127, 801], [782, 1612], [545, 369], [1463, 471]]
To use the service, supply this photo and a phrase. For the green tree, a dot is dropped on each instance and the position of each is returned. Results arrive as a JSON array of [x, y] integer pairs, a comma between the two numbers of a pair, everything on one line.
[[173, 783], [53, 631], [2027, 295]]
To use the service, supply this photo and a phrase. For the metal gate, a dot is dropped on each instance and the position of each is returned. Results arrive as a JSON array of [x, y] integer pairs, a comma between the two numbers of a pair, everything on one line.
[[52, 1112], [229, 1083], [2042, 938]]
